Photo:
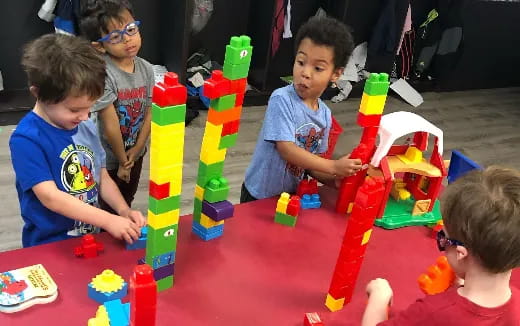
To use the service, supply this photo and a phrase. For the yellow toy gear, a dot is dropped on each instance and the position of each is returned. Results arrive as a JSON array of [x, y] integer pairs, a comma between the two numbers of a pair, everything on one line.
[[107, 281]]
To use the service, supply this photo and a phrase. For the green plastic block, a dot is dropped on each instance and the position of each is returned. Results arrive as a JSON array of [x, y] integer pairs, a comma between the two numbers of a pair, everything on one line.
[[197, 209], [377, 84], [223, 103], [165, 283], [285, 219], [159, 206], [228, 141], [160, 241], [239, 50], [234, 72], [167, 115], [216, 190], [208, 172], [398, 214]]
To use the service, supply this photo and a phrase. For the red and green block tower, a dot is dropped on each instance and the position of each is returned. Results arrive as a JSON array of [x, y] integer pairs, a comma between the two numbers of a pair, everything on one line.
[[226, 90], [166, 157]]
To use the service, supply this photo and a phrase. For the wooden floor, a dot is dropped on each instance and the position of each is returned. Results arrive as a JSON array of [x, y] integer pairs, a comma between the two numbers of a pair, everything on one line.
[[483, 124]]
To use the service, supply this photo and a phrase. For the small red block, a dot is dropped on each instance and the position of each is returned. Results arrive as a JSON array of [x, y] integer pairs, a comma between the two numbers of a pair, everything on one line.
[[169, 92], [312, 319], [293, 207], [217, 85], [231, 127], [159, 191]]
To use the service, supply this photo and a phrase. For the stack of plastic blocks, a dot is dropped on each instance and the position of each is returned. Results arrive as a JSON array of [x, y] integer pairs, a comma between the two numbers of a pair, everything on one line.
[[107, 286], [287, 209], [307, 190], [226, 90], [166, 157]]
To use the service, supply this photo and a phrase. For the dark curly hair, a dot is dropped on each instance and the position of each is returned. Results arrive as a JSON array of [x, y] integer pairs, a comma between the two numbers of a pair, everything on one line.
[[95, 15], [329, 32]]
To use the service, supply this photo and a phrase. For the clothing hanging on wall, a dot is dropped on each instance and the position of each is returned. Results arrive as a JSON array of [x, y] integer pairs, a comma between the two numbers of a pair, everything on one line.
[[64, 14]]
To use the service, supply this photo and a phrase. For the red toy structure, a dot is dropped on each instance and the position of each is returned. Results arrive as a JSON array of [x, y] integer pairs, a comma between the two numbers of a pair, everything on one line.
[[89, 247], [143, 296]]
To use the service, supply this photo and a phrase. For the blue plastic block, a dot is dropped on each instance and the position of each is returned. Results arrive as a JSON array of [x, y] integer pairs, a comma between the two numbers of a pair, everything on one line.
[[118, 313], [308, 201], [141, 242], [102, 297], [163, 260], [460, 165], [207, 234]]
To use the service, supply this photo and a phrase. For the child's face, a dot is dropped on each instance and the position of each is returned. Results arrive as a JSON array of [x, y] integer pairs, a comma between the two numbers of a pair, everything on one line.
[[68, 113], [130, 45], [313, 69]]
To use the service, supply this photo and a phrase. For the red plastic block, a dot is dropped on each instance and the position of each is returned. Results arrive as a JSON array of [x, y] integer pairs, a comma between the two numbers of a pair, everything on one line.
[[293, 208], [239, 100], [217, 85], [371, 120], [238, 86], [143, 296], [169, 92], [312, 319], [89, 247], [159, 191], [307, 187], [230, 128]]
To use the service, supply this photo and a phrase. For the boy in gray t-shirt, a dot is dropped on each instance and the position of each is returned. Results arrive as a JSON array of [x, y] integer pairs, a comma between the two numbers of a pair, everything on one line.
[[123, 113], [297, 123]]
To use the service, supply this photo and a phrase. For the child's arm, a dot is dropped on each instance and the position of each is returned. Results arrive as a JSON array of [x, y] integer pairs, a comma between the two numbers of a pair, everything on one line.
[[112, 196], [67, 205], [112, 132], [298, 156], [142, 138], [379, 298]]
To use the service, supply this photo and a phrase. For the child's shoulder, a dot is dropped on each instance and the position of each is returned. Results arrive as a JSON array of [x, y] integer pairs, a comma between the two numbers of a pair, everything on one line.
[[29, 126], [284, 92]]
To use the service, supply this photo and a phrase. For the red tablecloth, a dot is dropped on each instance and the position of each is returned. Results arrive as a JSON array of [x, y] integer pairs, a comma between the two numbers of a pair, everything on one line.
[[257, 273]]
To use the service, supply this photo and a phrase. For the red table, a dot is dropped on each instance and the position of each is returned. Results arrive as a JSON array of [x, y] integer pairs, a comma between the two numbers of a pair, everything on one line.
[[258, 273]]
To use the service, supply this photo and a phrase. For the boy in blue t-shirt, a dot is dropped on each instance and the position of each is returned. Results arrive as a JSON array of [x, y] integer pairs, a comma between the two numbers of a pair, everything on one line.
[[297, 123], [56, 154]]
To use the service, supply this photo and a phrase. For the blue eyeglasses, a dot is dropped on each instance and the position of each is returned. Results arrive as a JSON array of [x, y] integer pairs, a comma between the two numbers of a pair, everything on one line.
[[116, 36], [443, 241]]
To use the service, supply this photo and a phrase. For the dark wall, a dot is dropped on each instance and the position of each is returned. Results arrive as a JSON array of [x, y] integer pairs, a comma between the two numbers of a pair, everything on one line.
[[19, 24]]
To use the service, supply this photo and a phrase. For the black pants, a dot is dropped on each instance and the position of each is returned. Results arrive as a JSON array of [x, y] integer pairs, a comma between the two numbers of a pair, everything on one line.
[[245, 196], [128, 190]]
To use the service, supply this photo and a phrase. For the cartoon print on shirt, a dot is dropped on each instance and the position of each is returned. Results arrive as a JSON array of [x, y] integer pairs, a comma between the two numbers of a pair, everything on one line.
[[130, 110], [309, 137]]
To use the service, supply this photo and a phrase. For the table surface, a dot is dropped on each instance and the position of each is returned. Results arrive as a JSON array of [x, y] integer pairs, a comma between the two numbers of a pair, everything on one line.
[[257, 273]]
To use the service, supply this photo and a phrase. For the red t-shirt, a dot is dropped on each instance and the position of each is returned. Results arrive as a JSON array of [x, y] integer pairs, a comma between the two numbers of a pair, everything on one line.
[[449, 308]]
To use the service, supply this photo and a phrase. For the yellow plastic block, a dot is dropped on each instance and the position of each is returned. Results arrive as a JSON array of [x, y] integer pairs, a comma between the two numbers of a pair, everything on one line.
[[175, 187], [167, 136], [163, 174], [207, 222], [349, 208], [212, 156], [158, 221], [334, 304], [101, 318], [283, 201], [366, 237], [165, 156], [372, 105], [412, 155], [199, 192]]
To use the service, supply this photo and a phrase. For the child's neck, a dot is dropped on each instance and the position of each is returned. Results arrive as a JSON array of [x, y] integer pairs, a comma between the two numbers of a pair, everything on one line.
[[486, 289], [126, 64], [312, 103]]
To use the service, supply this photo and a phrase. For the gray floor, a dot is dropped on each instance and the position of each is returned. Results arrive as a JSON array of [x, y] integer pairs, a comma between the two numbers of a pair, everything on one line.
[[482, 124]]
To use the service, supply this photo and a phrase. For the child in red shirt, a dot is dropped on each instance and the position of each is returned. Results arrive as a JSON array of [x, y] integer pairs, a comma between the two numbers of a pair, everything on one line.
[[481, 237]]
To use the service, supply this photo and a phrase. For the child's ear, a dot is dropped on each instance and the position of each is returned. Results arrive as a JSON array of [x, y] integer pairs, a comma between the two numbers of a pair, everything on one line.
[[462, 252], [34, 91], [98, 46], [336, 74]]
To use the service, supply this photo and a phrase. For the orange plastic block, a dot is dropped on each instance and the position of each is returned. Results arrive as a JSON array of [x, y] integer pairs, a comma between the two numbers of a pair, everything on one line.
[[438, 278], [218, 118]]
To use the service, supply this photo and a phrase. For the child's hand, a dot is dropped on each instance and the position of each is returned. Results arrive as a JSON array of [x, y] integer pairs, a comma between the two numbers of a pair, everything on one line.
[[123, 173], [135, 216], [346, 166], [123, 228], [379, 289], [131, 154]]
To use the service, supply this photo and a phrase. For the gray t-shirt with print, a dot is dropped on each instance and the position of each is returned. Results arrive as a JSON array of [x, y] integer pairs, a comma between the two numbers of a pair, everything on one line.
[[131, 94]]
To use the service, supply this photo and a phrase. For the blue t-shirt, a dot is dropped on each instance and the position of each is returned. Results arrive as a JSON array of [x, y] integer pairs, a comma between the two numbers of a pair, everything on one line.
[[287, 119], [71, 158]]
